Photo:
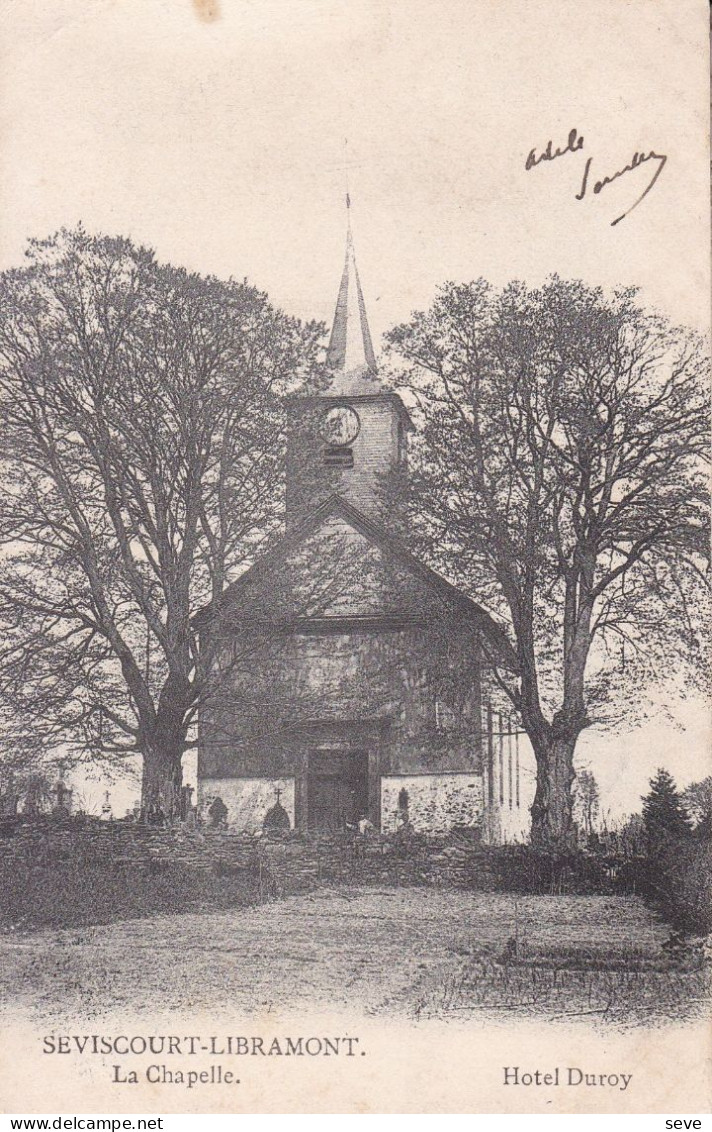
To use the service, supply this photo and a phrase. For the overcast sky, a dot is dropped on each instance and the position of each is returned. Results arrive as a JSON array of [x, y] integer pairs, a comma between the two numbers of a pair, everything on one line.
[[220, 143]]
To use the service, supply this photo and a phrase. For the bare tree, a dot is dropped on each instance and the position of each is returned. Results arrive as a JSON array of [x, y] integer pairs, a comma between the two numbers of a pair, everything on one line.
[[560, 477], [141, 411]]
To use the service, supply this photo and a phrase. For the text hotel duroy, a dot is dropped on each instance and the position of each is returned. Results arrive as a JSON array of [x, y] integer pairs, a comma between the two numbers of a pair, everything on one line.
[[569, 1075]]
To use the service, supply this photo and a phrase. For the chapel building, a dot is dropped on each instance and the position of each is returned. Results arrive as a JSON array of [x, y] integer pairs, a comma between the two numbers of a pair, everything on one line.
[[348, 674]]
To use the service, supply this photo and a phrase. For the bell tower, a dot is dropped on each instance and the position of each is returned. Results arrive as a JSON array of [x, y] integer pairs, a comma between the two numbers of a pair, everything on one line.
[[352, 438]]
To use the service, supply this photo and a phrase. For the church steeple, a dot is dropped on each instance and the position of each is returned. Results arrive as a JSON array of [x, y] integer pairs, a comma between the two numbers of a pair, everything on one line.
[[348, 439], [350, 355]]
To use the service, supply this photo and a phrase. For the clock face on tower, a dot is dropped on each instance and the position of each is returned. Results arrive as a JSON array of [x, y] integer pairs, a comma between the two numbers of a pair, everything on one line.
[[339, 426]]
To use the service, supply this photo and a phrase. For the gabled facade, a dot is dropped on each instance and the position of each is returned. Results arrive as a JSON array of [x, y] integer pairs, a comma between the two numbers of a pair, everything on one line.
[[348, 675]]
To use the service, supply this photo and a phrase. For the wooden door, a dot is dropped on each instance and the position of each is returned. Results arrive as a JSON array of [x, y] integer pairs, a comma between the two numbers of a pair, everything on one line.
[[337, 789]]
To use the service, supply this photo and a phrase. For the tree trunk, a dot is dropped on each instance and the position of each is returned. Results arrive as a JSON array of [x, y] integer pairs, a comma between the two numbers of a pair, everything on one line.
[[162, 781], [163, 743], [552, 826]]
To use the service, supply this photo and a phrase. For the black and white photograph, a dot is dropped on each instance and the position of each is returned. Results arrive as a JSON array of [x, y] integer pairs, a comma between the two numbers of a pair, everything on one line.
[[355, 524]]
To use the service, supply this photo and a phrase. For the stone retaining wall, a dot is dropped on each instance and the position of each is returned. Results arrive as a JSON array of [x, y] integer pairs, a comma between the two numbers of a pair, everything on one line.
[[298, 864], [47, 841], [294, 863]]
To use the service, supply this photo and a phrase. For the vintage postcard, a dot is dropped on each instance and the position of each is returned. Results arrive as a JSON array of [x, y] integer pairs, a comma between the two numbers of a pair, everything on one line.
[[355, 593]]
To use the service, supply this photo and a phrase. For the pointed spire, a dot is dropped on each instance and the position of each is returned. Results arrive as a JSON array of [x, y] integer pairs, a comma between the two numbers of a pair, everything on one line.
[[350, 355]]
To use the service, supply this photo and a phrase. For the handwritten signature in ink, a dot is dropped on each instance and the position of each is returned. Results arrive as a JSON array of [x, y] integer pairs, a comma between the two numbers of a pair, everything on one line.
[[574, 143]]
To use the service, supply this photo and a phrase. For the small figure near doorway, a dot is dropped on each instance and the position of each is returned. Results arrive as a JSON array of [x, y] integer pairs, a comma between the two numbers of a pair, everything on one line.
[[364, 830], [217, 813]]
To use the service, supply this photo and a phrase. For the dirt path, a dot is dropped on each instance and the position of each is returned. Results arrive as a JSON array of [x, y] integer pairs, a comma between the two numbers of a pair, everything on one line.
[[365, 950]]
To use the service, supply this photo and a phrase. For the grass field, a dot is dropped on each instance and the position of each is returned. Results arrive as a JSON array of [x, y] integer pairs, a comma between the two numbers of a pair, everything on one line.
[[408, 952]]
